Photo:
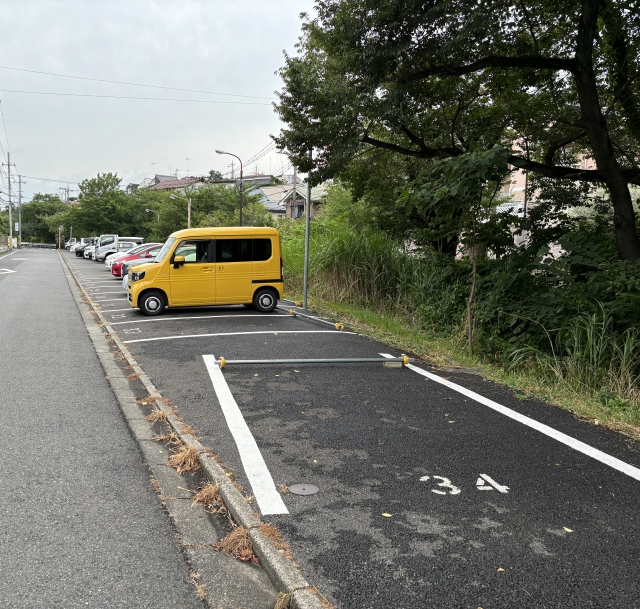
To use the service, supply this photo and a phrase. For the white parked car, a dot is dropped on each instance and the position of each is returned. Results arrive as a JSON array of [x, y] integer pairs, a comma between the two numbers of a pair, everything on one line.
[[131, 251], [88, 251], [84, 241]]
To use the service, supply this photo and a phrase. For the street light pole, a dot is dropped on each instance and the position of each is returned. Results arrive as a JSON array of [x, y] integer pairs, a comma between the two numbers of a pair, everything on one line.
[[307, 221], [240, 161], [153, 211]]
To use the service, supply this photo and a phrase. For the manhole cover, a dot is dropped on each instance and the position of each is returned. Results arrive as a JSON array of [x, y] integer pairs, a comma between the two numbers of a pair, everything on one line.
[[303, 489]]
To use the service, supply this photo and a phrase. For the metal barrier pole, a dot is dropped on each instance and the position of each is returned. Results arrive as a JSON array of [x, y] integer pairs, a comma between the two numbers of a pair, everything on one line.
[[403, 361]]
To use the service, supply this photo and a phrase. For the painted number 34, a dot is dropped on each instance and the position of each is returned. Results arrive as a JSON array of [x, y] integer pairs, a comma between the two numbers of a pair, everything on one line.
[[484, 483]]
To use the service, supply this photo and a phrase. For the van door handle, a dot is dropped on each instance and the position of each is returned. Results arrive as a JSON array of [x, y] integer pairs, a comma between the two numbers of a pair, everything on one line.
[[207, 269]]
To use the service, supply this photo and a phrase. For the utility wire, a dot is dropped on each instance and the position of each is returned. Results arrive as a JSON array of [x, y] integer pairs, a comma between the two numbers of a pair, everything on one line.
[[200, 101], [5, 133], [133, 84], [50, 180]]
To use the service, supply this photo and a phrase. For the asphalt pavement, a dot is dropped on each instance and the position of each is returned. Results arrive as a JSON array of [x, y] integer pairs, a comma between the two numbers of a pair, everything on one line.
[[81, 525], [464, 495]]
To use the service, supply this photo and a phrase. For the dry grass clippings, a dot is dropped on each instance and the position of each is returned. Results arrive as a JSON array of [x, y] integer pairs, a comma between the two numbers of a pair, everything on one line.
[[273, 535], [159, 415], [170, 438], [133, 377], [282, 488], [186, 459], [209, 497], [201, 591], [189, 430], [285, 601], [238, 544]]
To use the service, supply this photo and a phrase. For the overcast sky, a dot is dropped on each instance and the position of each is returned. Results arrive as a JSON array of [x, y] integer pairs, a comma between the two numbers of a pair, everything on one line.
[[215, 46]]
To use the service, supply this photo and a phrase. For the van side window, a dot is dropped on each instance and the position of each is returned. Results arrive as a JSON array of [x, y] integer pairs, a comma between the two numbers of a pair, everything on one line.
[[194, 251], [233, 250], [107, 241], [261, 249]]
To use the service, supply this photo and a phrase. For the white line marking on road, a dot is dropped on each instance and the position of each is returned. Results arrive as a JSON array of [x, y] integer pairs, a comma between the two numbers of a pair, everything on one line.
[[276, 332], [6, 271], [264, 489], [114, 310], [116, 292], [493, 483], [108, 299], [200, 317], [594, 453]]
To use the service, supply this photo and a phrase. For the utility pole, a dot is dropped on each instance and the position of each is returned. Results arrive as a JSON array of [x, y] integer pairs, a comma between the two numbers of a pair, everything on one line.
[[8, 164], [20, 183], [307, 226]]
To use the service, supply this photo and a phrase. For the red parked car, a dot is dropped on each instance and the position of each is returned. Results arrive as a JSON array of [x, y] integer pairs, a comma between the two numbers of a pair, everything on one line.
[[145, 255]]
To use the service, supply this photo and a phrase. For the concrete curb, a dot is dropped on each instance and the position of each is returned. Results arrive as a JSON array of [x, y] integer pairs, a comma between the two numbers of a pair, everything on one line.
[[286, 577]]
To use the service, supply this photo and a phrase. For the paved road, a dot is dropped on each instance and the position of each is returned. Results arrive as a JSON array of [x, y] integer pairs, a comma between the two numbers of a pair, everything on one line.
[[81, 525], [484, 507]]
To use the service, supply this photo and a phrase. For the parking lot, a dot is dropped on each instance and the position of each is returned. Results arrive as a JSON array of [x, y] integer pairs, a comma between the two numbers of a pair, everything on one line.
[[427, 495]]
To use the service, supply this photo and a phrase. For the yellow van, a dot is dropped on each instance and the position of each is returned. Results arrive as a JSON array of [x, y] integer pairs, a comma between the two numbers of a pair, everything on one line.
[[211, 266]]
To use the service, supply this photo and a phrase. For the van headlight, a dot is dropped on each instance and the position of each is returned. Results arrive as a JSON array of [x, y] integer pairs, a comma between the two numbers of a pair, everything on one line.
[[137, 276]]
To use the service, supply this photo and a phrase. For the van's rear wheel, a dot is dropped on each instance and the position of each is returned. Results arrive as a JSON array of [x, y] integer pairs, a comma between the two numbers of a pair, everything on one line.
[[152, 302], [265, 300]]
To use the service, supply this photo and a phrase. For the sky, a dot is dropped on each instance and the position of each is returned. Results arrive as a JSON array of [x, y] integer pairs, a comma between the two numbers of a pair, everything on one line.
[[209, 46]]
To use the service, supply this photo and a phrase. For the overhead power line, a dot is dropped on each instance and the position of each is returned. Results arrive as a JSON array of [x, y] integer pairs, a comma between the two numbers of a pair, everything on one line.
[[199, 101], [5, 133], [50, 180], [132, 84]]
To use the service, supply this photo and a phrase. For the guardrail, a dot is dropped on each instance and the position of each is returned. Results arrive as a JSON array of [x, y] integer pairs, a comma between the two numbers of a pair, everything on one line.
[[50, 246]]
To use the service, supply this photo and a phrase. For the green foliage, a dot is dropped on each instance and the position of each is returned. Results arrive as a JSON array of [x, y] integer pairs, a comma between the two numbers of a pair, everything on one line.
[[589, 354], [219, 205], [215, 176], [570, 313], [427, 81], [36, 215]]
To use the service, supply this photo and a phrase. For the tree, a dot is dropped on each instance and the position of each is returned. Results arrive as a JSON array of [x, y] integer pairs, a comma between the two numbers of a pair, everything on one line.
[[35, 214], [439, 79], [215, 176], [102, 208]]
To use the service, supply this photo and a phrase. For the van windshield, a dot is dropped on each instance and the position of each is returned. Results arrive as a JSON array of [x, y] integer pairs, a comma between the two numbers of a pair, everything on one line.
[[165, 249]]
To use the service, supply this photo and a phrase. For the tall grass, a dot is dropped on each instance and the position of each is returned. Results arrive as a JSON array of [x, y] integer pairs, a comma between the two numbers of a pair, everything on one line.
[[367, 268], [589, 356]]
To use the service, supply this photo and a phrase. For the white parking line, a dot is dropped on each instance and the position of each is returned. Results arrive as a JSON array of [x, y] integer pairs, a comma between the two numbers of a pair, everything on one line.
[[116, 292], [108, 299], [115, 310], [262, 485], [202, 317], [594, 453], [276, 332]]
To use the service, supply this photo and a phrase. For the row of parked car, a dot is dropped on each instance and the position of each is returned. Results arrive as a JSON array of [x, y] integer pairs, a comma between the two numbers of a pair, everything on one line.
[[123, 254]]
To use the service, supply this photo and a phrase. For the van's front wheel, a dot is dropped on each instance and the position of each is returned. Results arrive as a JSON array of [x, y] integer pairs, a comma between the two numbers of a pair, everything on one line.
[[152, 303], [265, 300]]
